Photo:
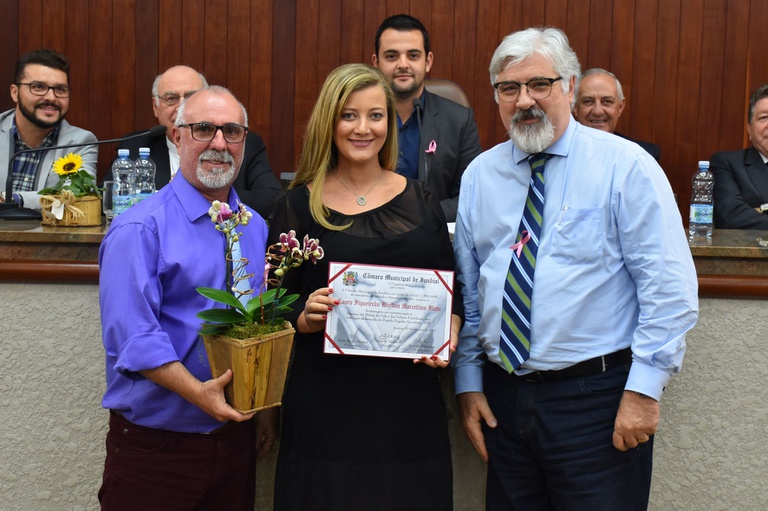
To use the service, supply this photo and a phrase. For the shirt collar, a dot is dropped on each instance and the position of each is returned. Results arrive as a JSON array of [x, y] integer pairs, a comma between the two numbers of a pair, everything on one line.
[[192, 201]]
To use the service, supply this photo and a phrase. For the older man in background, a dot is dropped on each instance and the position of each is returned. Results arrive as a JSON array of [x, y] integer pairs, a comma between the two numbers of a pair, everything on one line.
[[255, 184], [599, 103]]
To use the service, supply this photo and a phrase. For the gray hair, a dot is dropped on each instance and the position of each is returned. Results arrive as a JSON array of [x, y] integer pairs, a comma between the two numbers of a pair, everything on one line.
[[217, 90], [598, 71], [549, 42], [156, 84]]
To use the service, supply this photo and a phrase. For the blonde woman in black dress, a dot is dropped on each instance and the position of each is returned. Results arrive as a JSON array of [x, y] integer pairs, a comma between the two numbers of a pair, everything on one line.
[[360, 432]]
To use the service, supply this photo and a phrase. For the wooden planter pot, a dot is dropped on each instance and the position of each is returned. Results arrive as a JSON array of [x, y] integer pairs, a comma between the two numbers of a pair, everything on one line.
[[259, 366]]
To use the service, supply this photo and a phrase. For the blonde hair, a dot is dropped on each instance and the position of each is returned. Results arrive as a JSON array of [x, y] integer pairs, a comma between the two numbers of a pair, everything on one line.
[[319, 154]]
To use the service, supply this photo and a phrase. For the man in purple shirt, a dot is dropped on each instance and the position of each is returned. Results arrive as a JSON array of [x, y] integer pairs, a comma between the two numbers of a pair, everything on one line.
[[173, 441]]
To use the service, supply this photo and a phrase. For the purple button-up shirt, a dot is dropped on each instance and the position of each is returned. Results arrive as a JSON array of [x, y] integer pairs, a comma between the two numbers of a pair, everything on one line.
[[151, 260]]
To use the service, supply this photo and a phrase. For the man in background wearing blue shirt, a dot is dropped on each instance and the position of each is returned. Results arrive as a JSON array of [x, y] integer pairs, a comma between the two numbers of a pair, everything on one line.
[[438, 138], [614, 293], [173, 441]]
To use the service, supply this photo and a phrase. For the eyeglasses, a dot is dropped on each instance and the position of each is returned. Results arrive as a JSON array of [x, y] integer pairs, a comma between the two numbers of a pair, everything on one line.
[[41, 89], [205, 131], [171, 99], [538, 88]]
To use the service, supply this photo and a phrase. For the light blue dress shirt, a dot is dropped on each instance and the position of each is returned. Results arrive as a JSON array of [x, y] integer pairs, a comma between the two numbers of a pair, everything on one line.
[[613, 270], [151, 260]]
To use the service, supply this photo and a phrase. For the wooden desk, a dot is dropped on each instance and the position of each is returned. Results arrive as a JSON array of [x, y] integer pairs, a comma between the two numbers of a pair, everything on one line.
[[31, 252], [734, 264]]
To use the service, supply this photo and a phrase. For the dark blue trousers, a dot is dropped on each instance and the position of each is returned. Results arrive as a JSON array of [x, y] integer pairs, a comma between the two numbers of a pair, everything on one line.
[[553, 446]]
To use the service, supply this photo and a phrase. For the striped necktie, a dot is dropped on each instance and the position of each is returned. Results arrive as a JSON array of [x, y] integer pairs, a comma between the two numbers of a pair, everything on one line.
[[515, 340]]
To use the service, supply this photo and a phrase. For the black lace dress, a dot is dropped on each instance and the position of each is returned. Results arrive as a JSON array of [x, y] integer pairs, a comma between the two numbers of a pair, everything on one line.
[[363, 432]]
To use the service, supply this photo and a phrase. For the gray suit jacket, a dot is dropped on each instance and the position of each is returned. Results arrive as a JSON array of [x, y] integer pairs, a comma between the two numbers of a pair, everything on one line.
[[741, 184], [454, 131], [45, 178]]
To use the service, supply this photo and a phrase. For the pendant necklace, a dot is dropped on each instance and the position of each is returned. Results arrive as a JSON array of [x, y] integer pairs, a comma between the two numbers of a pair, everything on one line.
[[361, 200]]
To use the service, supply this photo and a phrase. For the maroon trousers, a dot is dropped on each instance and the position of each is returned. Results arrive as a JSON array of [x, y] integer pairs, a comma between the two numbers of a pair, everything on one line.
[[153, 469]]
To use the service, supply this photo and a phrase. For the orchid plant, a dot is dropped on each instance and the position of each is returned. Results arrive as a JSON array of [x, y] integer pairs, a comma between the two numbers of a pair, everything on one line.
[[265, 313]]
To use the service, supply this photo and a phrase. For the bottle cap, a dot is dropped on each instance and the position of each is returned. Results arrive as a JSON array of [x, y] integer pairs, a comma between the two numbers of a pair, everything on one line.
[[703, 164], [123, 152], [143, 150]]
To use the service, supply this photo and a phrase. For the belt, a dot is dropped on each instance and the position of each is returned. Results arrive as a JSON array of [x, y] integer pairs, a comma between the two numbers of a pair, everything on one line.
[[224, 428], [595, 365]]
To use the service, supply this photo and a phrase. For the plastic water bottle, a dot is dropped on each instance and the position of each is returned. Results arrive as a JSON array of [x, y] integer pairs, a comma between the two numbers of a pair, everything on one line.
[[123, 174], [702, 204], [145, 175]]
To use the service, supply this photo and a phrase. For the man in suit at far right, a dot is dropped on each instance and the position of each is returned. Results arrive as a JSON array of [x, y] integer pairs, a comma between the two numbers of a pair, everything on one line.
[[741, 177], [599, 103]]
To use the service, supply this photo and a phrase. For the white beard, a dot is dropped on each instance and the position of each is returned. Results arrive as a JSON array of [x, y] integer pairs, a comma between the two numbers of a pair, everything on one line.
[[531, 138], [218, 177]]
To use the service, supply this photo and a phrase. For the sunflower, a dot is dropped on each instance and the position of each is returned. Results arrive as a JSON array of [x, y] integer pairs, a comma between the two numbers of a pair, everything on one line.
[[68, 164]]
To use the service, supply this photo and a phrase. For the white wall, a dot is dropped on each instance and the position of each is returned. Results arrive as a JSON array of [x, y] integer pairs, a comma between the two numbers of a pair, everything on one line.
[[710, 450]]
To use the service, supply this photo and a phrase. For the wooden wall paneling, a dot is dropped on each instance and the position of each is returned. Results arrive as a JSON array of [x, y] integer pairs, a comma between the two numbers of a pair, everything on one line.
[[422, 10], [81, 75], [193, 37], [283, 81], [54, 24], [622, 49], [757, 63], [643, 78], [260, 73], [102, 85], [712, 96], [556, 14], [170, 39], [31, 20], [331, 35], [467, 57], [375, 11], [687, 101], [441, 37], [532, 13], [356, 45], [147, 62], [600, 33], [9, 25], [578, 37], [238, 52], [397, 7], [215, 18], [124, 43], [308, 81], [734, 81], [488, 34], [665, 84]]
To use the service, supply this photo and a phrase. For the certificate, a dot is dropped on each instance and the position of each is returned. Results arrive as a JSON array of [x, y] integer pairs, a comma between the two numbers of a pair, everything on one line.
[[388, 311]]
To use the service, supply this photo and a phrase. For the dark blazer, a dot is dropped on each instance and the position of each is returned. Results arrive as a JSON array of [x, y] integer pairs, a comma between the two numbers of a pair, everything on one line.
[[741, 184], [652, 149], [255, 184], [454, 131]]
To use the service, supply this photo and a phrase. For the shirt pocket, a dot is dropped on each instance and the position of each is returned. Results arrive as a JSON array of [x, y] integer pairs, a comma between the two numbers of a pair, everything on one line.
[[579, 236]]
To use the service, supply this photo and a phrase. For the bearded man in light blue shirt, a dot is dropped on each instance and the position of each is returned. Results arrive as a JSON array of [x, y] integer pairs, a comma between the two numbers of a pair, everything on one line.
[[614, 293]]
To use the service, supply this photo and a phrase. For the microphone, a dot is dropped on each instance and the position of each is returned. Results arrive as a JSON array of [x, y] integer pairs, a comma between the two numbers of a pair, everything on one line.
[[10, 210], [419, 109]]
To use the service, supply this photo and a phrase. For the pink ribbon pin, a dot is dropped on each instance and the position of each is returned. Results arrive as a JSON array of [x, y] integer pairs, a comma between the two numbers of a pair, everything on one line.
[[432, 147], [518, 247]]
